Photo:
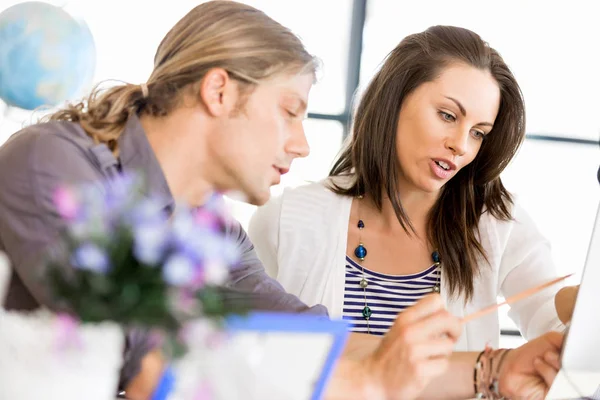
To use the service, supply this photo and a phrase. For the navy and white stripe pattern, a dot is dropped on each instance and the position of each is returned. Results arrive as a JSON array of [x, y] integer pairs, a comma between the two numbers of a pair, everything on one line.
[[386, 296]]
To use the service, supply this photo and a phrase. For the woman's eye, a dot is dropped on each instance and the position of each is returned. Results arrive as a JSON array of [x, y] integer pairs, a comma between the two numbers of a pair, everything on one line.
[[447, 117], [478, 134]]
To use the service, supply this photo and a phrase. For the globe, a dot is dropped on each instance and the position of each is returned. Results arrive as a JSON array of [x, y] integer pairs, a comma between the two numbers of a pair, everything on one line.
[[46, 55]]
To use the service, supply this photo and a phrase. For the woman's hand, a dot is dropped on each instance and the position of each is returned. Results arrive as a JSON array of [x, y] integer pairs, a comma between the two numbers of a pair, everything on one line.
[[564, 301], [528, 371], [414, 351]]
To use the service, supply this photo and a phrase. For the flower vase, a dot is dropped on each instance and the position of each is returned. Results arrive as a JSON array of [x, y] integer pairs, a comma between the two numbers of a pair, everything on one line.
[[46, 356]]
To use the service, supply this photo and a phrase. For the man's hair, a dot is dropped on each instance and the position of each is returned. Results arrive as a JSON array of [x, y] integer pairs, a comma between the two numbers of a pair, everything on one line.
[[244, 41]]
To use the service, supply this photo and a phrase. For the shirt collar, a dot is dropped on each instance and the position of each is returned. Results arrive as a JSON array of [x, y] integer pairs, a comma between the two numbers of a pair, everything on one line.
[[137, 156]]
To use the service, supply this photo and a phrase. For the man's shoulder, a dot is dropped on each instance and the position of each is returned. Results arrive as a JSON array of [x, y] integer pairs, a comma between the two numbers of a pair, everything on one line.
[[47, 138], [56, 148], [49, 132]]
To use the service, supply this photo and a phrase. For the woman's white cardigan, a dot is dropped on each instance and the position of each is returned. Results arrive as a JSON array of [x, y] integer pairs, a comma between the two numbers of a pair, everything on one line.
[[301, 238]]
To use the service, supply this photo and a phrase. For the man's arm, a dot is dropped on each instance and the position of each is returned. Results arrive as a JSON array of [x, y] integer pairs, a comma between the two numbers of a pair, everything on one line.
[[142, 385], [32, 167]]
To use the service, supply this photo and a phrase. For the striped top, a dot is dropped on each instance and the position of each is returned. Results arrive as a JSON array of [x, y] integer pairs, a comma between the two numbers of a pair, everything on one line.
[[386, 296]]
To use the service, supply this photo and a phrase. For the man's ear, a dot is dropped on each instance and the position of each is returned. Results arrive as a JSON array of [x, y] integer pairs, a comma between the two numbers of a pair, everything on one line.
[[218, 92]]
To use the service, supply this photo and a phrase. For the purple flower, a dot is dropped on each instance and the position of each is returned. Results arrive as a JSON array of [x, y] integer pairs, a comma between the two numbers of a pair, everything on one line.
[[90, 257], [67, 334], [182, 224], [218, 248], [121, 190], [198, 279], [150, 241], [178, 270], [194, 244], [215, 273], [185, 301], [208, 220], [66, 203], [148, 211]]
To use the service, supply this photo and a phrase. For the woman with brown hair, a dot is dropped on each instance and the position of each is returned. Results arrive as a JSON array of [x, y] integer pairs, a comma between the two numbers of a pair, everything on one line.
[[415, 203]]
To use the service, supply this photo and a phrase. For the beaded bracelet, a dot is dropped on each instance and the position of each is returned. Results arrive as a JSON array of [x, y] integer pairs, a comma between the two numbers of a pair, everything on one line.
[[486, 374], [475, 370]]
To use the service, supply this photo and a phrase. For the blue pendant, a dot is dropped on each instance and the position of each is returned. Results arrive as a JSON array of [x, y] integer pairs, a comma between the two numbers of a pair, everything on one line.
[[366, 312], [435, 256], [360, 252]]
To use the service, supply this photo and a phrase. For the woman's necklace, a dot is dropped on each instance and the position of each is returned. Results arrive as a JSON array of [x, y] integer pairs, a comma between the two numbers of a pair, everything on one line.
[[360, 252]]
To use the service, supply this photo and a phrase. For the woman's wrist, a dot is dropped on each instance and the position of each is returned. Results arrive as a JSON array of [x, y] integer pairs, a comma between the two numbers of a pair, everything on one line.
[[373, 385], [488, 372], [354, 379]]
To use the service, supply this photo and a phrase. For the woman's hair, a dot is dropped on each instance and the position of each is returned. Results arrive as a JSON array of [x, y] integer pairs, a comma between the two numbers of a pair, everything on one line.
[[244, 41], [370, 155]]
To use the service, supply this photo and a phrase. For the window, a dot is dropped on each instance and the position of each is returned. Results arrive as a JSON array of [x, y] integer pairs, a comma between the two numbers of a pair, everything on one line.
[[324, 27], [556, 183]]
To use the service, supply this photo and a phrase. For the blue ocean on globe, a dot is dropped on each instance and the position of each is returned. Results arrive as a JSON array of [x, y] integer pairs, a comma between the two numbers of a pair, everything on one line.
[[46, 56]]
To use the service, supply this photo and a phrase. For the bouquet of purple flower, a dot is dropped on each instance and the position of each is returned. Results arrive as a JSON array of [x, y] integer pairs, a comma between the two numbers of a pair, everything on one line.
[[121, 257]]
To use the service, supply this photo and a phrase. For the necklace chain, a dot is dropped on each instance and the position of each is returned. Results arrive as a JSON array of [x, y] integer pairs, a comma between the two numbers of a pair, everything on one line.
[[360, 252]]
